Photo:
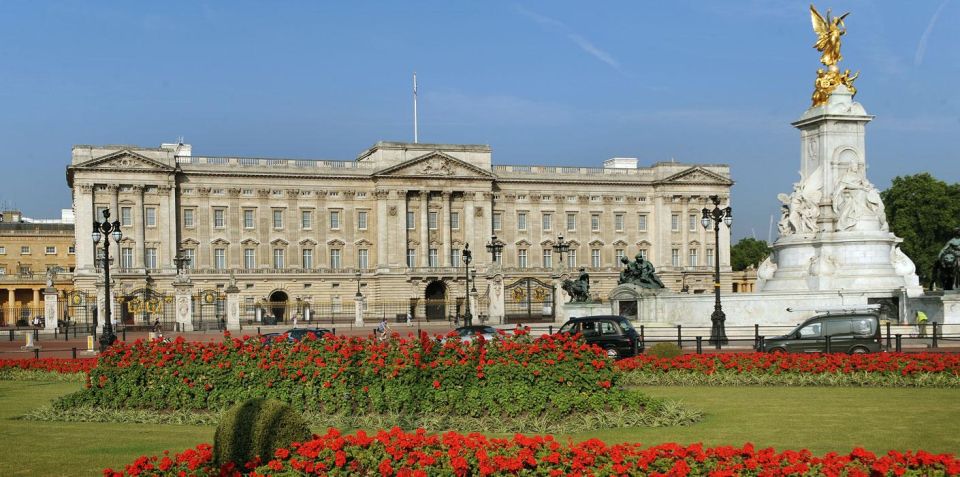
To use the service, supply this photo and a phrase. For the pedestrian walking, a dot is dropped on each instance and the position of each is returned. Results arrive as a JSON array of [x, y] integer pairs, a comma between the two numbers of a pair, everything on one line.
[[921, 323], [409, 319]]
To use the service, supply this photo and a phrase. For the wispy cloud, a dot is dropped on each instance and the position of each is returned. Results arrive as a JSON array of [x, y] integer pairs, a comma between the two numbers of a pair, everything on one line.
[[455, 107], [584, 44], [922, 47]]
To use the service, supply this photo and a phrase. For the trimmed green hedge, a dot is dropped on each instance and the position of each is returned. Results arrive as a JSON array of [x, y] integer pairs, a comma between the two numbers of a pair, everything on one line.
[[255, 428]]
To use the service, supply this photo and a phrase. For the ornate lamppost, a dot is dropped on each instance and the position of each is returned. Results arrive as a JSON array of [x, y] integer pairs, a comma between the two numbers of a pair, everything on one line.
[[718, 334], [495, 247], [561, 248], [106, 230], [359, 295], [467, 258]]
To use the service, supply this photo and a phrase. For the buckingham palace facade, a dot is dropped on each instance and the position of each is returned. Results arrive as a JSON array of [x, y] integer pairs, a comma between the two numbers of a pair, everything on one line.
[[388, 228]]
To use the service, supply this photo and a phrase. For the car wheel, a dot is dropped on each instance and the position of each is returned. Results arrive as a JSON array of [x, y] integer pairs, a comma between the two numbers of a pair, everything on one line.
[[777, 350], [859, 350], [612, 353]]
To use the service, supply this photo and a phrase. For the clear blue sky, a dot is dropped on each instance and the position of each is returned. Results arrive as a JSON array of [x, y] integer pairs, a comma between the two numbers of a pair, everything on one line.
[[542, 83]]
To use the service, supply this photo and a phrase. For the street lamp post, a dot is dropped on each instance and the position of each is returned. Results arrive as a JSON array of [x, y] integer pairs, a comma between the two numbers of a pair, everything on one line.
[[106, 230], [561, 248], [495, 247], [718, 334], [359, 295], [467, 258]]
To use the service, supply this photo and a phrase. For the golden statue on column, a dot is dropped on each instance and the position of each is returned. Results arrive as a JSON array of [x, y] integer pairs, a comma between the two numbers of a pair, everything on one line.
[[829, 30]]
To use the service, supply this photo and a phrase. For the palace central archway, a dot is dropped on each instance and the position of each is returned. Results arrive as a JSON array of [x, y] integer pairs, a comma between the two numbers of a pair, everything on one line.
[[436, 301]]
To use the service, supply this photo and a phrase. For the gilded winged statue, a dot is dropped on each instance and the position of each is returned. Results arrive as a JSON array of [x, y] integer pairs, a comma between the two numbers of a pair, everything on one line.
[[828, 32]]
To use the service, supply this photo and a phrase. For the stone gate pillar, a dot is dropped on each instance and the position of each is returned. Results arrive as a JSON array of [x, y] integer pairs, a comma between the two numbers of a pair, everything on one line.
[[495, 296], [358, 311], [184, 304], [51, 313], [233, 307]]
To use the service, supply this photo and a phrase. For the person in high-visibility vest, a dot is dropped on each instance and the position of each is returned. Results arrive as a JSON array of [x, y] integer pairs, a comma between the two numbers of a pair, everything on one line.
[[922, 323]]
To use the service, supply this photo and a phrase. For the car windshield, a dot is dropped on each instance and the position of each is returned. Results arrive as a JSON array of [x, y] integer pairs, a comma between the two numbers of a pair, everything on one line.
[[625, 324], [567, 328]]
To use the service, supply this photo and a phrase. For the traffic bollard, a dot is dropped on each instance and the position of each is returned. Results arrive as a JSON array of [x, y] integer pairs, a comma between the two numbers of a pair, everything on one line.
[[124, 333], [36, 353], [934, 343], [899, 341], [679, 336], [888, 336], [699, 344], [74, 352], [829, 347]]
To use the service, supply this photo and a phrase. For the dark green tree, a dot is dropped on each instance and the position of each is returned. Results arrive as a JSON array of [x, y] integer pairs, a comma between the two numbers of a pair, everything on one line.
[[748, 251], [922, 210]]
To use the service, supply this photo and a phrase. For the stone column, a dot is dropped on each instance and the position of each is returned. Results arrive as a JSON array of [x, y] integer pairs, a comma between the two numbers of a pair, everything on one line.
[[401, 239], [424, 228], [84, 210], [204, 258], [381, 221], [468, 211], [445, 214], [139, 227], [184, 305], [114, 215], [36, 298], [168, 219], [51, 313], [233, 307], [234, 229], [11, 304]]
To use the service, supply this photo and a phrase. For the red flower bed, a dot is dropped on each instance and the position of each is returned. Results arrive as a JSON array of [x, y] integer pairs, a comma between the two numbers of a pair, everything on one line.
[[53, 365], [903, 364], [396, 452]]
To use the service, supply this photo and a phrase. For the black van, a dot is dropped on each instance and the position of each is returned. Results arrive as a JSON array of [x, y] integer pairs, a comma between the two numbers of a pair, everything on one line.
[[849, 333], [613, 333]]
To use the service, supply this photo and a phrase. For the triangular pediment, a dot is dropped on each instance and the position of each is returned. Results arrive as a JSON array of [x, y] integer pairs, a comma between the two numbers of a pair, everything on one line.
[[696, 175], [124, 160], [435, 165]]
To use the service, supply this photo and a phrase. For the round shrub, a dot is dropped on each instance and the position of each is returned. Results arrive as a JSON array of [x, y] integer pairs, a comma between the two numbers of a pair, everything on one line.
[[665, 350], [257, 427]]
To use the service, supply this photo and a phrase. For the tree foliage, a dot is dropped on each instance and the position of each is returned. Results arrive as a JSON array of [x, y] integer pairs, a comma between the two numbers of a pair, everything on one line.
[[748, 251], [922, 210]]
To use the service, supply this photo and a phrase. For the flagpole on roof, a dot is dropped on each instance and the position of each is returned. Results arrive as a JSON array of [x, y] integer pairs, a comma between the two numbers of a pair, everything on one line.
[[415, 132]]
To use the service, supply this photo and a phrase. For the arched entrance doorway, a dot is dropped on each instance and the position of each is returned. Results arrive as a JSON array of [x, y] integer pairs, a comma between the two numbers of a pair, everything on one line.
[[436, 301], [278, 304]]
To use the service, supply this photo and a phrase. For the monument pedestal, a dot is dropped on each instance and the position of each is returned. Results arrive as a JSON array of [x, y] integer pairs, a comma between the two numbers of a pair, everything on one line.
[[233, 307], [51, 315], [833, 229], [184, 309], [951, 308]]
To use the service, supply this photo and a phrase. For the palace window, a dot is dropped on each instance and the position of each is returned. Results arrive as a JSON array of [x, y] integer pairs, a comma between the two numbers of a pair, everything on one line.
[[188, 221], [24, 250], [411, 220], [455, 257], [595, 258], [126, 216], [547, 220], [710, 259], [249, 258], [191, 258], [362, 220], [126, 257], [692, 223], [278, 218], [455, 220], [363, 259], [642, 223], [572, 259], [618, 222], [3, 250], [150, 217], [643, 253], [50, 250], [595, 222], [70, 250], [306, 256], [306, 219], [619, 253], [432, 220], [411, 257], [334, 220], [675, 257], [571, 222], [693, 258], [219, 218], [522, 258], [675, 222], [248, 219], [220, 259], [278, 258], [432, 258], [521, 221], [547, 258], [497, 221], [150, 258]]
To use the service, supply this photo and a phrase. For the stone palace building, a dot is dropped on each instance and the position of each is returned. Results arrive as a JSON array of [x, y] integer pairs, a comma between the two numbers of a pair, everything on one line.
[[307, 237]]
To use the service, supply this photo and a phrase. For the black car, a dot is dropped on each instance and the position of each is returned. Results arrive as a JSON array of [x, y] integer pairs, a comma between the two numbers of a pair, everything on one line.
[[468, 333], [613, 333], [297, 334]]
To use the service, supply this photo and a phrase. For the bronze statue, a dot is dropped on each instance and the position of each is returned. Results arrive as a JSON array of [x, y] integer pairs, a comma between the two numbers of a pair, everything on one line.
[[640, 272], [948, 260], [579, 289]]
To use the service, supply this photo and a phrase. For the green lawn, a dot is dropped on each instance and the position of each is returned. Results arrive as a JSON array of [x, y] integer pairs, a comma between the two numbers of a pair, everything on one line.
[[821, 419]]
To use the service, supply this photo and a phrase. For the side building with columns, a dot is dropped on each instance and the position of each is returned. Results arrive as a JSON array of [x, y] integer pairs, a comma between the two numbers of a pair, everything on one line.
[[310, 237]]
